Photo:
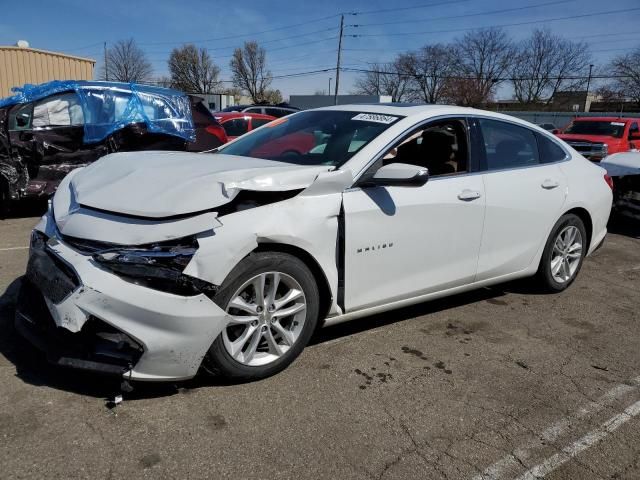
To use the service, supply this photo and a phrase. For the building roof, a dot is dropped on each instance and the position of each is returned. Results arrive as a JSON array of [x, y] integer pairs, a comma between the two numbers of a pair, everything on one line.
[[47, 52]]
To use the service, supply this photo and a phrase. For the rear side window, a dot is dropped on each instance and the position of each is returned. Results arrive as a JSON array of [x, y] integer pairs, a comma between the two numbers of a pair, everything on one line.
[[508, 145], [550, 151], [253, 110], [62, 110], [277, 112], [258, 122], [236, 127]]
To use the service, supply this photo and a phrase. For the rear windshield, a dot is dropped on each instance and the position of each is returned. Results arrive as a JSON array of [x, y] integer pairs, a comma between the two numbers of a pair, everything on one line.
[[314, 137], [609, 129]]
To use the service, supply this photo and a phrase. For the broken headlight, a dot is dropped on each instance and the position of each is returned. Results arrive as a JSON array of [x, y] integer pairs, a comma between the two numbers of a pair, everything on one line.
[[158, 266]]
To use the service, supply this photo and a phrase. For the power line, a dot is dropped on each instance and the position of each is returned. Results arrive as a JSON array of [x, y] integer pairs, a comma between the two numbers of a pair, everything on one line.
[[398, 9], [167, 53], [252, 34], [449, 17], [497, 79], [544, 20], [230, 47], [283, 27], [302, 74]]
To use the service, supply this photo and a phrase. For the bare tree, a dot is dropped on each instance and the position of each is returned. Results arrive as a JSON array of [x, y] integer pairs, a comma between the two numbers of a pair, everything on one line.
[[164, 82], [430, 67], [235, 92], [571, 72], [481, 58], [126, 62], [192, 70], [627, 68], [250, 73], [547, 63], [390, 79], [272, 97]]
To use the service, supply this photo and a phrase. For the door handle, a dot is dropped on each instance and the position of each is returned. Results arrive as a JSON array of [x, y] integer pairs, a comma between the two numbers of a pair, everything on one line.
[[549, 183], [468, 195]]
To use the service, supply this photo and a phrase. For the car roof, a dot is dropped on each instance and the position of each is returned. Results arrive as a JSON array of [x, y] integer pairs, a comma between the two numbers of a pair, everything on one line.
[[229, 115], [414, 109], [605, 119], [402, 109]]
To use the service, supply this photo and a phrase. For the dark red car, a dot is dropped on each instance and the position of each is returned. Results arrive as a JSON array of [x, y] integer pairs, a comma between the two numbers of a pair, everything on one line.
[[238, 123], [209, 133]]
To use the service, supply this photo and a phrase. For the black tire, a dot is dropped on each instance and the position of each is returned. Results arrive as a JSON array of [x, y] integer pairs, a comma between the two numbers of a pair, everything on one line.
[[218, 360], [544, 275]]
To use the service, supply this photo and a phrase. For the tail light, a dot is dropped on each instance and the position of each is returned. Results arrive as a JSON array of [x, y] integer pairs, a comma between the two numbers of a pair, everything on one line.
[[609, 181], [218, 132]]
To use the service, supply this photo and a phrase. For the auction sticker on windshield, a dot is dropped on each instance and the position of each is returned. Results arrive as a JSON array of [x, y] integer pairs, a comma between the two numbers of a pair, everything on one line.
[[375, 117]]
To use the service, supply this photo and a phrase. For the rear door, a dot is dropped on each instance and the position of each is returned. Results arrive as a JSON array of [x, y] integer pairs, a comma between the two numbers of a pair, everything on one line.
[[525, 192]]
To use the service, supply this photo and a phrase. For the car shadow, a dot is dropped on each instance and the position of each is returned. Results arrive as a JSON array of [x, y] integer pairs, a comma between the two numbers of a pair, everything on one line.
[[32, 367], [628, 227], [421, 309], [25, 208]]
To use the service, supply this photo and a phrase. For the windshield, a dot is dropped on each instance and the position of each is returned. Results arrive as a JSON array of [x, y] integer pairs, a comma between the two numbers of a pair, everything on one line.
[[608, 129], [315, 137]]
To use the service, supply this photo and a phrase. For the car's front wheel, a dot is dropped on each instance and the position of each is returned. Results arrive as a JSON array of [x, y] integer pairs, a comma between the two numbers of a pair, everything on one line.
[[563, 254], [273, 301]]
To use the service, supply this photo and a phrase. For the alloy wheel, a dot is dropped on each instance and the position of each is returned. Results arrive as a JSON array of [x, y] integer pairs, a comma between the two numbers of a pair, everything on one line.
[[567, 254], [267, 317]]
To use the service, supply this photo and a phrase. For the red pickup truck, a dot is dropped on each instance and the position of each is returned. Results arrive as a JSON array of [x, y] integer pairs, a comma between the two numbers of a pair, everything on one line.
[[597, 137]]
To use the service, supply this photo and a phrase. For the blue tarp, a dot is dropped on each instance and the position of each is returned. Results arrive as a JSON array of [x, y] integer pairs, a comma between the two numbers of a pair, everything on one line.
[[109, 106]]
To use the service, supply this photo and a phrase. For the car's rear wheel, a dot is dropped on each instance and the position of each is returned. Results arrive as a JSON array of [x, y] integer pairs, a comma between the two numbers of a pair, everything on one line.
[[563, 254], [273, 301]]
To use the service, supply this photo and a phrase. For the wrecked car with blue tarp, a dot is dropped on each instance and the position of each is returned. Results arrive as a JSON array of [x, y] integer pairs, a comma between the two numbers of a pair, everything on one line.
[[50, 129]]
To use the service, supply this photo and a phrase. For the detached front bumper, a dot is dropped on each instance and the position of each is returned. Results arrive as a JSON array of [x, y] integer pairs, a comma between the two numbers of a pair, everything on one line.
[[151, 335]]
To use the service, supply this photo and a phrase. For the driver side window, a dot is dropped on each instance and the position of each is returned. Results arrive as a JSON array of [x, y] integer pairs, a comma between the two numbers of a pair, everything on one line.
[[440, 146], [21, 118]]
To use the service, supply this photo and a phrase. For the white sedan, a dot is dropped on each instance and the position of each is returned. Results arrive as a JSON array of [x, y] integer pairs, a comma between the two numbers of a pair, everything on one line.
[[154, 265]]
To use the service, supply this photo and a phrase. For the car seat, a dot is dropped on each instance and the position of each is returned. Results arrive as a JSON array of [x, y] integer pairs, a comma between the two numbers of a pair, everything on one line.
[[436, 152]]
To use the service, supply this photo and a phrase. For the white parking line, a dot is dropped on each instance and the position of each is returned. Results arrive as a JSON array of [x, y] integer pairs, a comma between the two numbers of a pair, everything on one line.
[[509, 463], [12, 248], [590, 439]]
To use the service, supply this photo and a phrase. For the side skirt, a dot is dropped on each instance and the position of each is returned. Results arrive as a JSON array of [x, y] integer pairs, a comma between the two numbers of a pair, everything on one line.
[[365, 312]]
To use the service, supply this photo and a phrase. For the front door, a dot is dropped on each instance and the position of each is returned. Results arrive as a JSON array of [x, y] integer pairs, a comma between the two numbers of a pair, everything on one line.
[[401, 242]]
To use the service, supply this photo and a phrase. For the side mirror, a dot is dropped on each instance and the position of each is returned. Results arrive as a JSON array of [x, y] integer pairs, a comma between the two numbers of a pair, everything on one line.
[[555, 131], [399, 175], [635, 135]]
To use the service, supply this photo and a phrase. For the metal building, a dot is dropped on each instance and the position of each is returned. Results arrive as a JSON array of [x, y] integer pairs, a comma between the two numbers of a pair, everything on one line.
[[22, 64]]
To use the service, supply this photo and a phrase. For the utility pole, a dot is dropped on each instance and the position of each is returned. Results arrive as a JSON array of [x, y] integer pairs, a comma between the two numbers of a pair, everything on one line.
[[106, 70], [335, 93], [586, 95], [330, 85]]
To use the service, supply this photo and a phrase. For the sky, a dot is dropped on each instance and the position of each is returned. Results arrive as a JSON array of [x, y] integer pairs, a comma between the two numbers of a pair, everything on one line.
[[302, 36]]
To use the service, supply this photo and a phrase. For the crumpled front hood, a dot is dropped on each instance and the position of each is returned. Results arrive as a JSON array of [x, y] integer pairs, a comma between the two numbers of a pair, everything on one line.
[[167, 184]]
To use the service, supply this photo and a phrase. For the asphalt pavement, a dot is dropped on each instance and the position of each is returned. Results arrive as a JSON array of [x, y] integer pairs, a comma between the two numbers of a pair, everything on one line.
[[503, 382]]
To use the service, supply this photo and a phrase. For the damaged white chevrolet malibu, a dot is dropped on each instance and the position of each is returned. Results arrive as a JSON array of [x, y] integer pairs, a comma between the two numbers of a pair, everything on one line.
[[154, 265]]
